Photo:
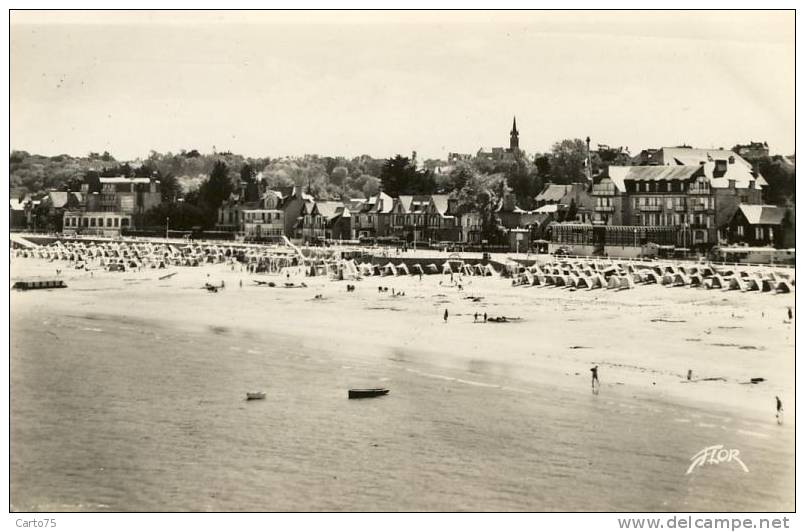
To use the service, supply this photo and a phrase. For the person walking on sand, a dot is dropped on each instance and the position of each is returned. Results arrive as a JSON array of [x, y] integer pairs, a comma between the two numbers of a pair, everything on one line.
[[595, 381], [445, 315], [790, 314], [779, 414], [484, 317], [475, 318]]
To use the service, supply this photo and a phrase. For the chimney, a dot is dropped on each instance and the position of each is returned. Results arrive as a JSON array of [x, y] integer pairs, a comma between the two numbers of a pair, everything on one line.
[[731, 184]]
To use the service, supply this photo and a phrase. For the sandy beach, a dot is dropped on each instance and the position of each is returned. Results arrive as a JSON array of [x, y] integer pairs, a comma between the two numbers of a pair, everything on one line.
[[122, 379]]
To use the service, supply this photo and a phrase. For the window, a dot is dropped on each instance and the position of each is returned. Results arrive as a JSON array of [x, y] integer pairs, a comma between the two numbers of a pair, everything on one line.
[[117, 222], [92, 222], [108, 222], [758, 233], [740, 230], [124, 222]]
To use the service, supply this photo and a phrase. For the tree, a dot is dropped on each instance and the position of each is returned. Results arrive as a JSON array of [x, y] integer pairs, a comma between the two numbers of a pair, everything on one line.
[[169, 187], [568, 161], [480, 194], [247, 173], [183, 215], [524, 181], [399, 176], [781, 177], [543, 164], [215, 190]]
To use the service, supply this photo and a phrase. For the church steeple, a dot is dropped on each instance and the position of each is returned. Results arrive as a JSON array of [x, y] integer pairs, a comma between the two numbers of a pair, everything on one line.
[[514, 137]]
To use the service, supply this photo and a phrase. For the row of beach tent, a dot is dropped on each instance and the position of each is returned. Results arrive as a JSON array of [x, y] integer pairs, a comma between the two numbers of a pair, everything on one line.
[[446, 268], [613, 275]]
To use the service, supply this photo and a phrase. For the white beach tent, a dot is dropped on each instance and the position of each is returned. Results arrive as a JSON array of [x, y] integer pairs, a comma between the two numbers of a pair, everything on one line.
[[751, 284], [767, 285], [625, 282], [446, 268], [680, 279], [735, 283], [389, 269], [597, 281], [782, 287]]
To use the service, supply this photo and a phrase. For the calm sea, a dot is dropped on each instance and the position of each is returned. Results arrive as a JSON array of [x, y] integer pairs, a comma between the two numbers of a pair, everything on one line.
[[112, 414]]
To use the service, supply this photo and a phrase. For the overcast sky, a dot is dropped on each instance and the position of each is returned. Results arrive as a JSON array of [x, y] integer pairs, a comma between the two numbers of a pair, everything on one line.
[[272, 84]]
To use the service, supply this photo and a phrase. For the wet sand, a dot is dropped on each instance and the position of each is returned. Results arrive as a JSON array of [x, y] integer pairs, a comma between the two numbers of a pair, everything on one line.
[[128, 394]]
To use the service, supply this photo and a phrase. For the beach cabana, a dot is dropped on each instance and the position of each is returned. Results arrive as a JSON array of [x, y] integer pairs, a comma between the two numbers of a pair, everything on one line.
[[417, 269], [625, 282], [402, 269], [489, 270], [432, 268], [389, 269], [597, 281], [751, 284], [680, 279], [582, 282], [446, 268], [613, 282], [782, 287], [735, 283]]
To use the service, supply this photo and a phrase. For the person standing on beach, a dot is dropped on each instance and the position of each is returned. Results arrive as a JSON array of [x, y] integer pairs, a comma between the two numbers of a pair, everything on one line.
[[475, 317], [595, 381], [790, 314], [445, 315], [484, 317], [779, 409]]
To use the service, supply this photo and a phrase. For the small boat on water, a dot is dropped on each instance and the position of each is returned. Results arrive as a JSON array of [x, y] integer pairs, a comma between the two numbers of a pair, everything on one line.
[[254, 396], [360, 393]]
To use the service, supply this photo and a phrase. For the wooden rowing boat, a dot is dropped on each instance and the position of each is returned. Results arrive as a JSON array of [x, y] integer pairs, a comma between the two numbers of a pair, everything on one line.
[[253, 396], [361, 393]]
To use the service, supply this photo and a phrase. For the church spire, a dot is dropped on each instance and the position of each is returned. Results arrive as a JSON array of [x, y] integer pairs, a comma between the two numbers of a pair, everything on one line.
[[514, 137]]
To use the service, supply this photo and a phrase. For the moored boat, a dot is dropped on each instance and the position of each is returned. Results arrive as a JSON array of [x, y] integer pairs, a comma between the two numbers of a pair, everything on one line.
[[360, 393], [253, 396]]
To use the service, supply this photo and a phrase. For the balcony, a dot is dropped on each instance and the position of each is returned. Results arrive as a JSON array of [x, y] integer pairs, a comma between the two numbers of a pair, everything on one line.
[[699, 190], [700, 208], [604, 208], [603, 190], [680, 208], [649, 208], [698, 226]]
